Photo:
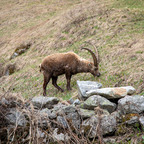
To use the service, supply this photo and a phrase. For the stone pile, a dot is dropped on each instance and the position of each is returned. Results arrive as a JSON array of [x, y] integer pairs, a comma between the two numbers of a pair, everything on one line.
[[96, 110]]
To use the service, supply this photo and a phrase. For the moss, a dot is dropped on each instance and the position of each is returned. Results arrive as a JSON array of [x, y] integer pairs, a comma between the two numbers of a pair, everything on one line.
[[121, 129], [128, 117]]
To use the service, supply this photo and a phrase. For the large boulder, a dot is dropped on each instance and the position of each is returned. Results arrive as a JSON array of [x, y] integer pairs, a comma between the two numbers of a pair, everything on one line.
[[131, 104], [44, 102], [85, 86], [112, 93], [97, 100], [107, 125]]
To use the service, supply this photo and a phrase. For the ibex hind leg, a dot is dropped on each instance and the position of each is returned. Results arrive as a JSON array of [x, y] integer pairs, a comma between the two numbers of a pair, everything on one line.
[[46, 81], [54, 82]]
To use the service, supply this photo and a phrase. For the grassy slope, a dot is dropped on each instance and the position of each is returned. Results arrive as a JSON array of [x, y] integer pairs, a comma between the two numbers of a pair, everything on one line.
[[116, 28]]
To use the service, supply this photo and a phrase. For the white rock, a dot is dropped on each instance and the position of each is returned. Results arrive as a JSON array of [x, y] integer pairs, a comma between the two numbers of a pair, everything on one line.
[[85, 86], [112, 93]]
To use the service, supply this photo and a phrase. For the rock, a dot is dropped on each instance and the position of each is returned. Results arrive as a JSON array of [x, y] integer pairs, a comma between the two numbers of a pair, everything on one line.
[[9, 69], [21, 49], [117, 115], [141, 120], [3, 101], [51, 114], [71, 100], [108, 125], [84, 113], [44, 102], [69, 109], [60, 136], [112, 93], [42, 136], [62, 121], [109, 140], [134, 121], [72, 115], [85, 86], [77, 102], [97, 100], [131, 104], [16, 118], [74, 102]]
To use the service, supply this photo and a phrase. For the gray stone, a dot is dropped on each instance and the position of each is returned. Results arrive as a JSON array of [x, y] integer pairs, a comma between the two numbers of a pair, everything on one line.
[[107, 125], [42, 136], [109, 140], [62, 121], [117, 115], [44, 102], [141, 120], [112, 93], [85, 86], [72, 115], [71, 100], [97, 100], [16, 117], [69, 109], [84, 113], [133, 121], [50, 113], [77, 102], [60, 136], [131, 104]]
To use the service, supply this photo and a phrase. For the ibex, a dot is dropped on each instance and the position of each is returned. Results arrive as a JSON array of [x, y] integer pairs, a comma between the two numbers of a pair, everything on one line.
[[69, 64]]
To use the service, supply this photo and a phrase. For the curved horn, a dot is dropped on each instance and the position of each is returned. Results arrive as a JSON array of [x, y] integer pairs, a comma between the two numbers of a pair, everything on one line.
[[97, 54], [93, 55]]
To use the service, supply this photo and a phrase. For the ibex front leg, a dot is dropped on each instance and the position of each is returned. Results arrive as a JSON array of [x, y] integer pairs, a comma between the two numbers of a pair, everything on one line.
[[68, 77]]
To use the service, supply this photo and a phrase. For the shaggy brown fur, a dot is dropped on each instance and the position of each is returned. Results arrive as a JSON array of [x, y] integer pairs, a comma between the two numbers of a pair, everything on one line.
[[65, 63]]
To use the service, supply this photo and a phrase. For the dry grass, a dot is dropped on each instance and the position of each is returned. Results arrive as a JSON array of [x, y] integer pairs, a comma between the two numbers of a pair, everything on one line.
[[59, 26]]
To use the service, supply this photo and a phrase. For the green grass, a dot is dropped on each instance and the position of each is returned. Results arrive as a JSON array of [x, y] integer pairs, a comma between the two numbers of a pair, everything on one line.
[[132, 4]]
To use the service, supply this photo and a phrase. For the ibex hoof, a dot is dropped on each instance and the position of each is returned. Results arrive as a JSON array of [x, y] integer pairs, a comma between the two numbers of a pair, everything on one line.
[[61, 90]]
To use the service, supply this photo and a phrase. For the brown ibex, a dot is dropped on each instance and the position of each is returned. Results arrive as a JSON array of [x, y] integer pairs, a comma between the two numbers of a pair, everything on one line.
[[69, 64]]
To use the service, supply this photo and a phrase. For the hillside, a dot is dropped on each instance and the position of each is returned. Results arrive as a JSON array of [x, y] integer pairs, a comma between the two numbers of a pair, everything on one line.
[[115, 27]]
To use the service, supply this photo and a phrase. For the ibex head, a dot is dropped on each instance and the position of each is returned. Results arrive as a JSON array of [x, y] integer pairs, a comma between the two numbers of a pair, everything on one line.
[[94, 67]]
